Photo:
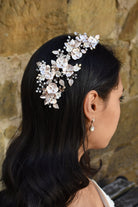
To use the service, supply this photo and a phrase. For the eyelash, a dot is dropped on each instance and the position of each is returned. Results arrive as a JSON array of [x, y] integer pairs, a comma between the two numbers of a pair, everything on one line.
[[121, 98]]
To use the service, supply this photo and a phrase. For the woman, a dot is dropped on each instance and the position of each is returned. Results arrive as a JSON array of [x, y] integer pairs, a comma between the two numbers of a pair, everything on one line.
[[70, 93]]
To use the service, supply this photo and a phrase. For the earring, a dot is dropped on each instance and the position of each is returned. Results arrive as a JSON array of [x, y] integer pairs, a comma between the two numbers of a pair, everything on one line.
[[92, 127]]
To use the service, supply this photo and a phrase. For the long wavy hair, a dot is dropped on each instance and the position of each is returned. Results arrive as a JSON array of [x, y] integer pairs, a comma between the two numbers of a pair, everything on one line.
[[41, 166]]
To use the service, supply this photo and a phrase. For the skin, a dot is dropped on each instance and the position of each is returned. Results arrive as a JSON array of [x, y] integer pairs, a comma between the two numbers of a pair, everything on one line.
[[106, 115]]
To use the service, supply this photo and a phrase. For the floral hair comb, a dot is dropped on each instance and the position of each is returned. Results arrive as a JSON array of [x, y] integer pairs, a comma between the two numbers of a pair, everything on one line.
[[50, 77]]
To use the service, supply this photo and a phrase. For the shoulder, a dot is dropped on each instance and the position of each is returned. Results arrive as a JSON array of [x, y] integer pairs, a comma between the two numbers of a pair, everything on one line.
[[104, 197], [87, 196]]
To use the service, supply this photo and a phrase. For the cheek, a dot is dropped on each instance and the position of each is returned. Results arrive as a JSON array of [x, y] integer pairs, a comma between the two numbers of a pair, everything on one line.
[[107, 127], [113, 120], [117, 113]]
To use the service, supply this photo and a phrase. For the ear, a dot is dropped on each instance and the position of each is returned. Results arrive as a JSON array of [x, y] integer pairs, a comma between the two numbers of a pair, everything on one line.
[[90, 104]]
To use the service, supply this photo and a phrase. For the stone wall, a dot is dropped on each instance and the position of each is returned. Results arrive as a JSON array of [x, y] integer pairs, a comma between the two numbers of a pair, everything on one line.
[[25, 25]]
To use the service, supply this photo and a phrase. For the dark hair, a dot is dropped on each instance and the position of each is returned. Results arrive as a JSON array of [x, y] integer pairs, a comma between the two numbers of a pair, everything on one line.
[[41, 167]]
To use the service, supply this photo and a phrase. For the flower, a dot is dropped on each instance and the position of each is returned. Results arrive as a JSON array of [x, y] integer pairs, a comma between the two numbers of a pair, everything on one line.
[[82, 38], [72, 45], [49, 74], [52, 88], [48, 98], [41, 64], [86, 44], [69, 71], [76, 67], [93, 41], [69, 47], [61, 62], [76, 53], [45, 71], [58, 95]]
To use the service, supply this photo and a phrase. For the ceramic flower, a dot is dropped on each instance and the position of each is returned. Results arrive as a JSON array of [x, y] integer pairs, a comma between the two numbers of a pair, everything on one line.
[[48, 98], [76, 54], [82, 38], [72, 45], [49, 74], [52, 88], [61, 62], [69, 71], [58, 95], [76, 67], [93, 41]]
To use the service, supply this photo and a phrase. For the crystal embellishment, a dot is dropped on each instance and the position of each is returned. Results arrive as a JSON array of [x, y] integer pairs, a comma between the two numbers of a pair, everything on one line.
[[49, 79]]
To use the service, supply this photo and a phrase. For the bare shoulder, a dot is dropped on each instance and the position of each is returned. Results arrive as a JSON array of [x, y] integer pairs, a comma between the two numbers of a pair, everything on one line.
[[88, 196]]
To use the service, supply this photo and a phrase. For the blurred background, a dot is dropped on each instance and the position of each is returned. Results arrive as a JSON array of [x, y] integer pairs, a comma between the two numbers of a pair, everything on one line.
[[27, 24]]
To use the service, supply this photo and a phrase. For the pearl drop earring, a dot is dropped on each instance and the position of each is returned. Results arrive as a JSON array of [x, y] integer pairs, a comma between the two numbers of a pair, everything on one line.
[[92, 127]]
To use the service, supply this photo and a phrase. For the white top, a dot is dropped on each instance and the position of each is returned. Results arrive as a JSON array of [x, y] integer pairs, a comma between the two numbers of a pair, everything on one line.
[[104, 197]]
